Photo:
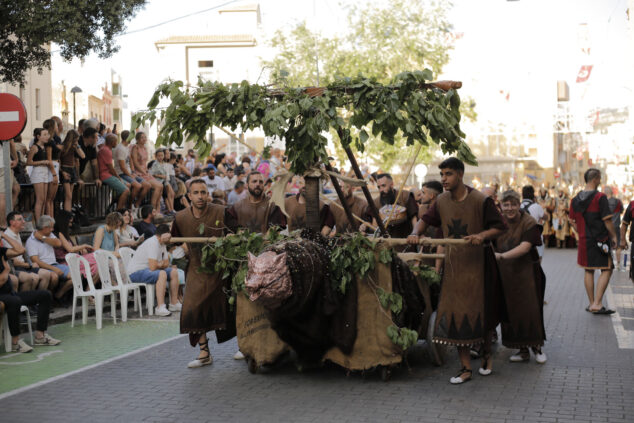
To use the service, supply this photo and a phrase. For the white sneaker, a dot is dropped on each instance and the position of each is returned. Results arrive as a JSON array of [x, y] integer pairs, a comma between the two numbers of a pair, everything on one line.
[[21, 347], [238, 356], [46, 340], [540, 357], [162, 311], [176, 307]]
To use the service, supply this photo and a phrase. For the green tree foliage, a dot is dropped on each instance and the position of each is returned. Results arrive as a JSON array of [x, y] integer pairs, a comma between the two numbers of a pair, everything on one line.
[[78, 27], [383, 40]]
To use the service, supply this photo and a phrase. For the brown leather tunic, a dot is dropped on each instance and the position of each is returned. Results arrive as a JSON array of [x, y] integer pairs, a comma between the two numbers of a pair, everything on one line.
[[297, 214], [461, 308], [205, 303], [402, 229], [523, 284], [256, 217], [357, 206]]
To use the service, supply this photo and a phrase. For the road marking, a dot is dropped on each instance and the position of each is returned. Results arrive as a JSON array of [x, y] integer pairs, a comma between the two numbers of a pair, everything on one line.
[[624, 337], [92, 366], [40, 357], [13, 116]]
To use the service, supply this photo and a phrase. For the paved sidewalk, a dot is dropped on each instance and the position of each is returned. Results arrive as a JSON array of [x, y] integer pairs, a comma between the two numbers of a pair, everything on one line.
[[587, 378]]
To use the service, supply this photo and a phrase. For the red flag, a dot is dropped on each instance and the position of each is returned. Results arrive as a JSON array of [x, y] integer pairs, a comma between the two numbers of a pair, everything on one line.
[[584, 73]]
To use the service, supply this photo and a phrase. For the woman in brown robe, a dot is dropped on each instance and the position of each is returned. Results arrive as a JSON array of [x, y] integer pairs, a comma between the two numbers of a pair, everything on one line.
[[205, 306], [523, 281]]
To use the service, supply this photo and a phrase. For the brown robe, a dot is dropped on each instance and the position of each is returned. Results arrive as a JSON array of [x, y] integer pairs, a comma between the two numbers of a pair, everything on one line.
[[297, 214], [402, 229], [357, 206], [469, 297], [205, 305], [523, 284], [256, 217]]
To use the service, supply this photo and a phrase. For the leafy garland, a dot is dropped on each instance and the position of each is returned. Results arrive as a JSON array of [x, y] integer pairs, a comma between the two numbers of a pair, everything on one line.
[[302, 116]]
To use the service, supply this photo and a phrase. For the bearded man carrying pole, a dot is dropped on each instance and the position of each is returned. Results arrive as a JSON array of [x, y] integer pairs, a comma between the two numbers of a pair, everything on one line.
[[399, 226], [256, 212], [205, 306], [355, 204], [470, 305]]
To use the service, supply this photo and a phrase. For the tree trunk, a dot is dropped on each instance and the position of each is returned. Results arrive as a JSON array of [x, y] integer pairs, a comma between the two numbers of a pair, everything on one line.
[[312, 203]]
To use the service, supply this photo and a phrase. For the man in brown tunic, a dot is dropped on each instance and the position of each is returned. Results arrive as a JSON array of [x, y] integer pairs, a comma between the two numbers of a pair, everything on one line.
[[256, 212], [468, 309], [523, 281], [357, 206], [205, 305], [387, 197], [296, 209]]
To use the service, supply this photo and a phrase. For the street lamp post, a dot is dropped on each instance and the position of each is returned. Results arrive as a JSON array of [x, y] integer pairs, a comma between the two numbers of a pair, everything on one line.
[[75, 90]]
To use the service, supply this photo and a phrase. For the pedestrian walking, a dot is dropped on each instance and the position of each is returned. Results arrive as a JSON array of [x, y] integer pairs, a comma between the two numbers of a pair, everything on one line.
[[591, 213]]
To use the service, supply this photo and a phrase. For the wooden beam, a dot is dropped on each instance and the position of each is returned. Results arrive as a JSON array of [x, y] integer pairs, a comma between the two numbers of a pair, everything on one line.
[[419, 256]]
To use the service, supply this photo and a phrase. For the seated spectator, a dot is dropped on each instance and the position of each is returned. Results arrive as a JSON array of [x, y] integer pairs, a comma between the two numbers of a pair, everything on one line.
[[30, 276], [40, 248], [213, 182], [160, 172], [89, 166], [219, 197], [109, 175], [106, 237], [182, 171], [150, 264], [239, 192], [138, 187], [138, 161], [13, 301], [230, 179], [63, 223], [146, 226], [128, 235]]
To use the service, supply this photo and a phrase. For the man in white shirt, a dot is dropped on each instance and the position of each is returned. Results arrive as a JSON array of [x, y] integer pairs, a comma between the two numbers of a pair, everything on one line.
[[190, 161], [213, 182], [239, 193], [150, 264], [530, 206], [229, 179], [40, 249], [30, 276]]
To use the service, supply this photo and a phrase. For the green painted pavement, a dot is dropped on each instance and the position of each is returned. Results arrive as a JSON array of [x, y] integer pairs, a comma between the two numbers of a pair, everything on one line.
[[81, 346]]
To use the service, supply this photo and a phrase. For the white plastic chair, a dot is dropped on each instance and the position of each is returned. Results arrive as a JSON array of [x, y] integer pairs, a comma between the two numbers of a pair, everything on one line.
[[104, 258], [75, 262], [126, 254], [5, 327]]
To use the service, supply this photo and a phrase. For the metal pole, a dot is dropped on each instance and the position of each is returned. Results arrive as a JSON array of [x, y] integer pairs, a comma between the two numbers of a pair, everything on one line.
[[6, 163], [74, 113]]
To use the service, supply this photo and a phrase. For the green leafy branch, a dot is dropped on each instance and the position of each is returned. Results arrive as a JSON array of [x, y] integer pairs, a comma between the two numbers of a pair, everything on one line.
[[350, 107], [426, 273], [403, 337]]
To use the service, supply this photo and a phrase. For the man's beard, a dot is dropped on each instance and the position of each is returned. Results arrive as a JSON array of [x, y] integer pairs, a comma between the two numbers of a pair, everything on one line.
[[388, 198], [257, 192]]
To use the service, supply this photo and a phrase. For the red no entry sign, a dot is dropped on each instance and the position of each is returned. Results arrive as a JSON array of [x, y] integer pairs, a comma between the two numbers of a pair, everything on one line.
[[12, 116]]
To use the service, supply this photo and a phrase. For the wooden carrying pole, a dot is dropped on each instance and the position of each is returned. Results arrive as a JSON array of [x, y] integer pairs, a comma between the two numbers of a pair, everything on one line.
[[368, 224], [423, 241], [388, 241], [342, 198], [419, 256]]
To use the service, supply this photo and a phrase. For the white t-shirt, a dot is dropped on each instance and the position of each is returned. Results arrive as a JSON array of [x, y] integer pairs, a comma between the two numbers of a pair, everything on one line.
[[121, 152], [234, 197], [45, 252], [214, 184], [11, 235], [150, 249], [229, 182], [536, 211], [190, 164]]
